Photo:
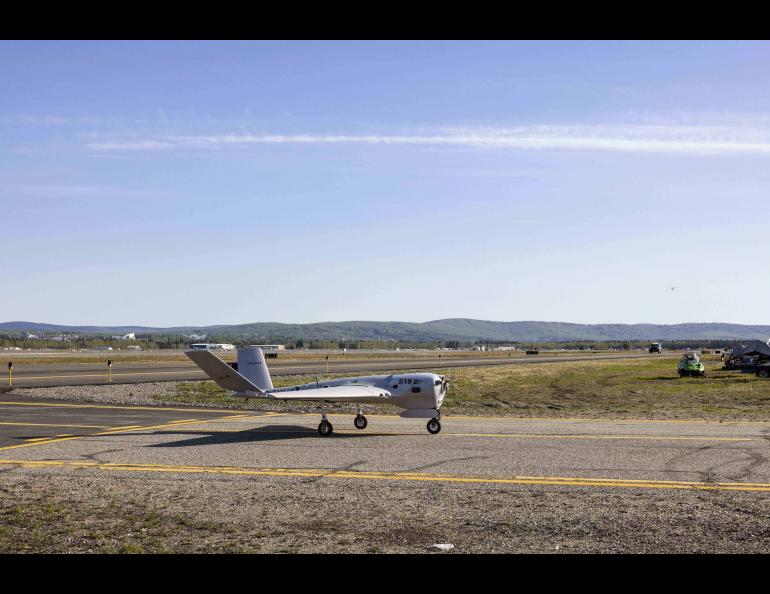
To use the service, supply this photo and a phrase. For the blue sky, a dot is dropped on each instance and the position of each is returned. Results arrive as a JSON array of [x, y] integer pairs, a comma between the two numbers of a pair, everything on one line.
[[166, 183]]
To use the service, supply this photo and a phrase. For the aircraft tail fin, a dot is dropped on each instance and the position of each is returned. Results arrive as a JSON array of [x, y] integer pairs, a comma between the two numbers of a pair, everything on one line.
[[252, 365], [223, 374]]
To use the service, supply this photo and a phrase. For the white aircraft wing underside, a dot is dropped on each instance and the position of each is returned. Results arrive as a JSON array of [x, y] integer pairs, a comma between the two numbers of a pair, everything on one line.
[[221, 372], [333, 393]]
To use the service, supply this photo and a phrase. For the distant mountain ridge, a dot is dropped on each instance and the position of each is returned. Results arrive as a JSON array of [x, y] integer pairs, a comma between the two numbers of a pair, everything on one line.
[[463, 329]]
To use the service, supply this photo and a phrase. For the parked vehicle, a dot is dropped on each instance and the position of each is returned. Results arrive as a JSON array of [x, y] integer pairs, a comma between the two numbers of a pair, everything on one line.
[[690, 366], [741, 363], [656, 347], [748, 357]]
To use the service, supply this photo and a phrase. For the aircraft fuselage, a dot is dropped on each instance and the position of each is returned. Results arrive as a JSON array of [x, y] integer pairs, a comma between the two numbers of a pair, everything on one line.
[[407, 390]]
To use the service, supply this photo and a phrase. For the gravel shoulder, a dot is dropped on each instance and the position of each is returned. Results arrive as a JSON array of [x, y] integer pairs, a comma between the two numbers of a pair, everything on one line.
[[56, 511]]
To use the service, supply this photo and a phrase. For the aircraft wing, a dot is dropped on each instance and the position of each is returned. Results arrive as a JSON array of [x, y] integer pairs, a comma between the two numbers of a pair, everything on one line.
[[333, 393]]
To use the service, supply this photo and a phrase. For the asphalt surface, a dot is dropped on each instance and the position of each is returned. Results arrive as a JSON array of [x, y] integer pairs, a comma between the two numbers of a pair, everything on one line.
[[25, 421], [199, 480], [577, 452], [63, 374]]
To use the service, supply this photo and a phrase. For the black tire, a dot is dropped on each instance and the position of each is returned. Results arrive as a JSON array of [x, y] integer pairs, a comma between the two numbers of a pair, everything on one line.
[[360, 422], [325, 429], [434, 426], [763, 373]]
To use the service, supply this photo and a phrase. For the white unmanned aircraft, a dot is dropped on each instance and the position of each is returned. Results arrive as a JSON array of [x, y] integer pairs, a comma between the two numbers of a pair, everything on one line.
[[420, 394]]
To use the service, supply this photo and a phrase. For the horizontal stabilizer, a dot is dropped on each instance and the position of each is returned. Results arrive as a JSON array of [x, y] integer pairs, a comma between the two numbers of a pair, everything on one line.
[[222, 373]]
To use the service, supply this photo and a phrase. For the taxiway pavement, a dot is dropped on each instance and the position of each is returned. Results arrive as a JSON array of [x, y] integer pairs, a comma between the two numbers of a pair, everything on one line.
[[607, 454]]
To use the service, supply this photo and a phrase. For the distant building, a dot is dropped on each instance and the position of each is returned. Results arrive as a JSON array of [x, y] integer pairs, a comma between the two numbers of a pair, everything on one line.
[[33, 336], [208, 346], [270, 350]]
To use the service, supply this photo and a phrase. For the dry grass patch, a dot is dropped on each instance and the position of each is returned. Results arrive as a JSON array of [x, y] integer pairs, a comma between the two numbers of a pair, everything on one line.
[[648, 388]]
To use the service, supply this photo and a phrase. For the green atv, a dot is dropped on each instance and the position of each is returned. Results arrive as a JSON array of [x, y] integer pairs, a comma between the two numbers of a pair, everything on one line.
[[690, 366]]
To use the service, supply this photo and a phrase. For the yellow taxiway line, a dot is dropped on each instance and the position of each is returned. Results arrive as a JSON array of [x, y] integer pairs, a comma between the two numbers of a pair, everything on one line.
[[45, 440], [502, 419], [618, 421], [513, 435], [54, 425], [393, 476], [606, 436], [606, 420], [125, 428]]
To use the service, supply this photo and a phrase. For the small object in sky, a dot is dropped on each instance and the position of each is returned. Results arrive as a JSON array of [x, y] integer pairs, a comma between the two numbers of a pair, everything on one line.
[[673, 288]]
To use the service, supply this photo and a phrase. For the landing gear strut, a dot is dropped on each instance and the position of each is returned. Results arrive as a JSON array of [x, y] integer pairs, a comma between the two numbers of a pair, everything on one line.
[[434, 426], [360, 421], [325, 428]]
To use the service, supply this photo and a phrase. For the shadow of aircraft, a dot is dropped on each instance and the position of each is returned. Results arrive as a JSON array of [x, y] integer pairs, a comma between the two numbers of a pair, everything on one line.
[[258, 434]]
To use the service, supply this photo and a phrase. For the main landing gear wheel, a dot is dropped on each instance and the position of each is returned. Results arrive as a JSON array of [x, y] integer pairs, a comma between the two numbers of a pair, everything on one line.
[[434, 426], [325, 428], [360, 422]]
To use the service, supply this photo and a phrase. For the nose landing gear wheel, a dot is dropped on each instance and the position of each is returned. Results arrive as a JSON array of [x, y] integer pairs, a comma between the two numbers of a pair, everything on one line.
[[360, 422], [325, 428], [434, 426]]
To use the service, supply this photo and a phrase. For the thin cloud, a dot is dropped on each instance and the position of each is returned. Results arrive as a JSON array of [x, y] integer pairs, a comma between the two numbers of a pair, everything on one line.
[[685, 140]]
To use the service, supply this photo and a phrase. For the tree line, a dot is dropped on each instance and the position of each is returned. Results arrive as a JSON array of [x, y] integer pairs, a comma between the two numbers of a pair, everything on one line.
[[180, 342]]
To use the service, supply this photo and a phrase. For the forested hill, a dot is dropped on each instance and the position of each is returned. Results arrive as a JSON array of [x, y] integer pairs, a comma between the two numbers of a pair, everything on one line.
[[449, 329]]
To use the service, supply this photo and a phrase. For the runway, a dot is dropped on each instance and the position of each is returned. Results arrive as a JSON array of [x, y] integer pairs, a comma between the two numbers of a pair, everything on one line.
[[189, 479], [64, 374]]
